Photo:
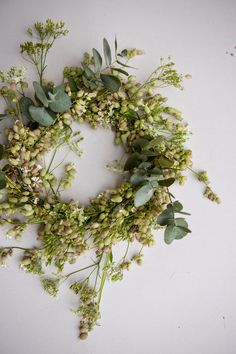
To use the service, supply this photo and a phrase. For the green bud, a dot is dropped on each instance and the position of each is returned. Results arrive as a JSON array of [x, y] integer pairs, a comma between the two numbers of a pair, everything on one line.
[[116, 198]]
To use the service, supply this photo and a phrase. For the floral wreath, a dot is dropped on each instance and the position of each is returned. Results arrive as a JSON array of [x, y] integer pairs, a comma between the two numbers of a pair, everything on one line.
[[153, 135]]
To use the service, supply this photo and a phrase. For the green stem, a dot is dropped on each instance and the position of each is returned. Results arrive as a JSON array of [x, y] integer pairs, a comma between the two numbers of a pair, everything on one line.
[[103, 279], [19, 248], [80, 270]]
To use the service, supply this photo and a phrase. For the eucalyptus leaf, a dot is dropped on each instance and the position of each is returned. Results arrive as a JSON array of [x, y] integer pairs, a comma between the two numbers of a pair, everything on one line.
[[154, 142], [164, 162], [72, 84], [170, 234], [137, 178], [165, 217], [60, 103], [140, 143], [97, 60], [88, 72], [121, 71], [145, 165], [24, 103], [143, 195], [89, 84], [177, 206], [111, 82], [41, 116], [107, 52], [166, 182], [3, 182], [132, 161], [156, 171], [40, 94], [125, 65], [59, 89]]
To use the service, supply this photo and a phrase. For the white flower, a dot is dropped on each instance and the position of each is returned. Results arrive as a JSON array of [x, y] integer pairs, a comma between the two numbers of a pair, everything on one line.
[[15, 74]]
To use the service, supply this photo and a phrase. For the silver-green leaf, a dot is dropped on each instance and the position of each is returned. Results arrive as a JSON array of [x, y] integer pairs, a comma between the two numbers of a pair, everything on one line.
[[97, 60], [143, 195], [40, 94], [110, 82], [107, 52], [60, 102], [41, 116]]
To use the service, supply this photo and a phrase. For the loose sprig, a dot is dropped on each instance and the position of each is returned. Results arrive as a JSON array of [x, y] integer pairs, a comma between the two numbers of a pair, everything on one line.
[[100, 92]]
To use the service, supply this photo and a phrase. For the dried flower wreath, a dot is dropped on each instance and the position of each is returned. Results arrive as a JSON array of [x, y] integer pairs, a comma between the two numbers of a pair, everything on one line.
[[153, 135]]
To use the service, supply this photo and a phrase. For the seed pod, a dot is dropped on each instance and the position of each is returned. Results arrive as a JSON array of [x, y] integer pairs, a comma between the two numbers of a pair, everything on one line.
[[116, 198], [25, 261], [83, 336]]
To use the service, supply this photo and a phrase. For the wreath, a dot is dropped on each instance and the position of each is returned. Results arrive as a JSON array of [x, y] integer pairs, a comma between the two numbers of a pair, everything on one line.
[[102, 93]]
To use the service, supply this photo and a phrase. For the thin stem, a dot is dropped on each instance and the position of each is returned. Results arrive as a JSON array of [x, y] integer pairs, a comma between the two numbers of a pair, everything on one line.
[[20, 248], [80, 270], [126, 251], [103, 279], [53, 156]]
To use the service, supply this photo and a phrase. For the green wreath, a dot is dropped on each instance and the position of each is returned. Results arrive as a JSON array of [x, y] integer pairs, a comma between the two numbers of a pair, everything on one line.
[[153, 135]]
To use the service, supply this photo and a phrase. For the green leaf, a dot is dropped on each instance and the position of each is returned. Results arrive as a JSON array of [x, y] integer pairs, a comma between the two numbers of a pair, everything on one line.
[[40, 94], [145, 165], [138, 178], [111, 82], [165, 217], [120, 71], [111, 257], [177, 206], [24, 103], [154, 142], [132, 161], [97, 60], [41, 116], [59, 89], [89, 84], [60, 102], [182, 223], [88, 72], [143, 195], [176, 230], [3, 182], [125, 65], [164, 162], [72, 84], [107, 52], [156, 171], [170, 234], [139, 143], [166, 182]]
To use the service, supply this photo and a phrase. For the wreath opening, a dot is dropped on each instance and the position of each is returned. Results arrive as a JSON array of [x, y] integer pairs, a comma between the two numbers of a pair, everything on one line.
[[101, 93]]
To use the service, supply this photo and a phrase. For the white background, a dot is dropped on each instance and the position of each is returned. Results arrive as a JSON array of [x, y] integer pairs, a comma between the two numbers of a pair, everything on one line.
[[182, 300]]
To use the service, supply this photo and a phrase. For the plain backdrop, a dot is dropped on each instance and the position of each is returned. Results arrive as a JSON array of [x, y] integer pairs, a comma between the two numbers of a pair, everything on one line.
[[182, 300]]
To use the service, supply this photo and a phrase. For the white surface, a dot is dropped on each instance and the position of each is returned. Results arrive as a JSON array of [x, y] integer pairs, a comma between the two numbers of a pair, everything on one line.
[[183, 298]]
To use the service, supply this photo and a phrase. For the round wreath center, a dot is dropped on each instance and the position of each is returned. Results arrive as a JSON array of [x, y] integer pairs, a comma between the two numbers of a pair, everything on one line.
[[94, 171]]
